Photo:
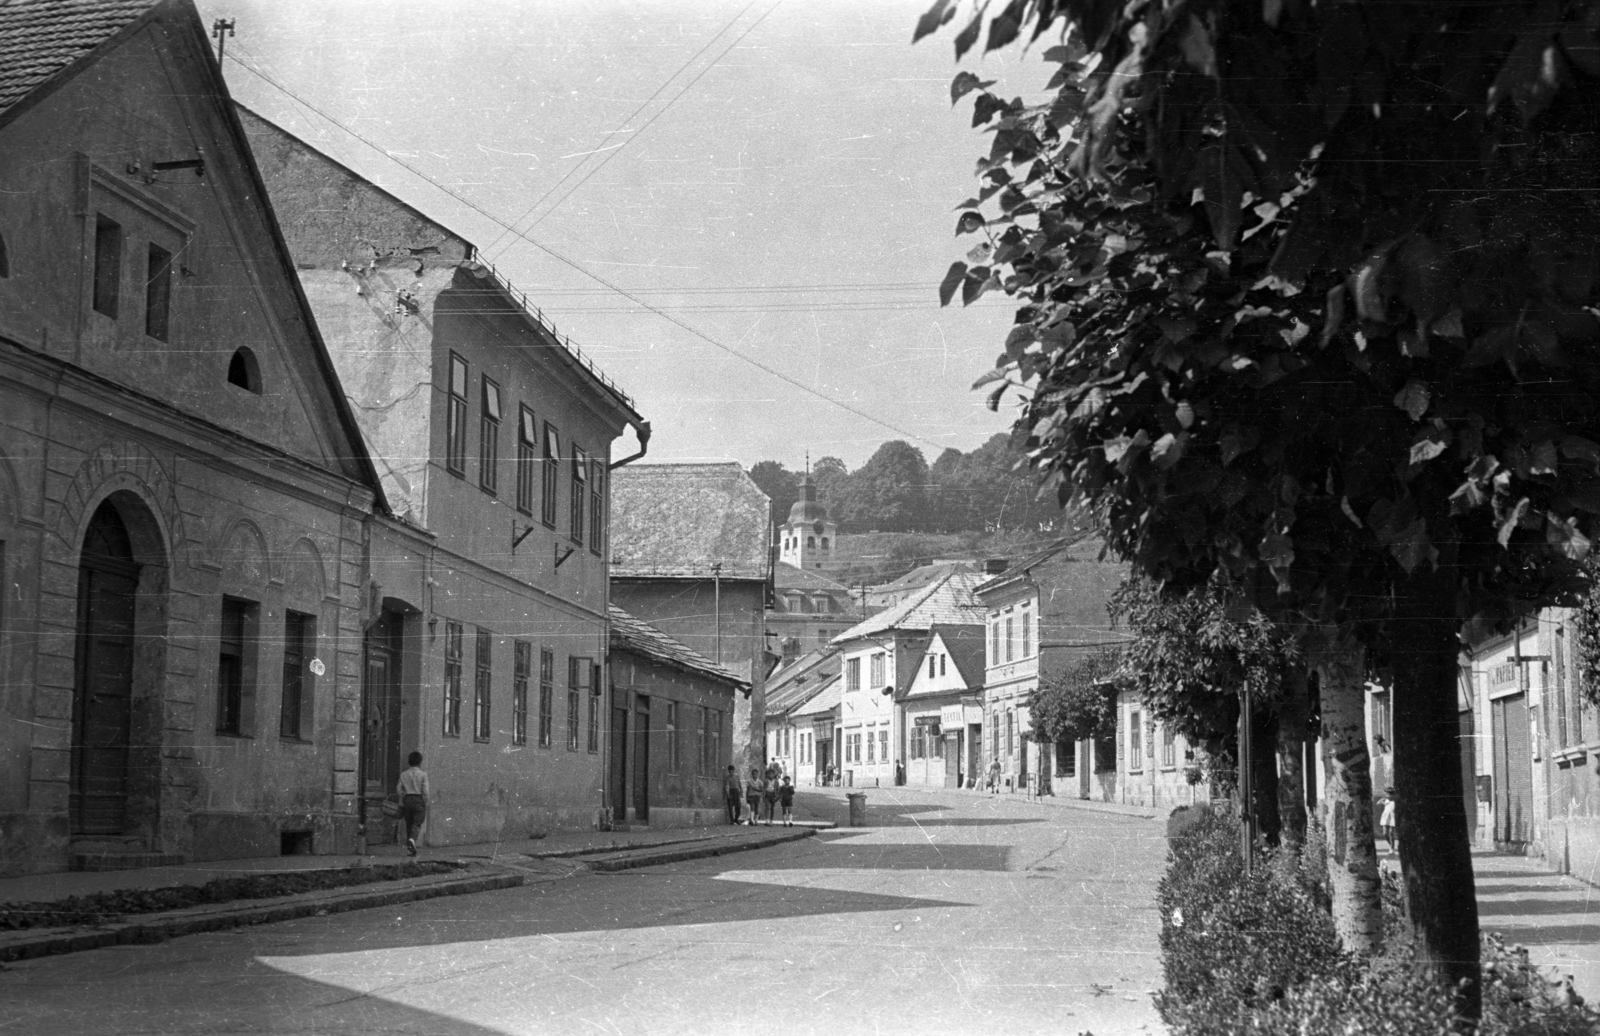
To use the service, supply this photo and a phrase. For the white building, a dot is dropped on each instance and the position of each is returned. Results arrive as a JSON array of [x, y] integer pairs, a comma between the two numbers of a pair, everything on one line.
[[946, 687]]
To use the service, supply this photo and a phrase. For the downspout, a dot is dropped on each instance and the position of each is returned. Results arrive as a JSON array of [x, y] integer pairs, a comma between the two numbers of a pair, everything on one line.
[[618, 811]]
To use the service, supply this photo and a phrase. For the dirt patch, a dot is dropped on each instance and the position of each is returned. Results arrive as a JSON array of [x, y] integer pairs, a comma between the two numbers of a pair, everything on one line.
[[108, 907]]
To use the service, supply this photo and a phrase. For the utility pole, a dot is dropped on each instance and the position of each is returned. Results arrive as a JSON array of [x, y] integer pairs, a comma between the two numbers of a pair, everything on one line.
[[716, 582], [1247, 817], [218, 28]]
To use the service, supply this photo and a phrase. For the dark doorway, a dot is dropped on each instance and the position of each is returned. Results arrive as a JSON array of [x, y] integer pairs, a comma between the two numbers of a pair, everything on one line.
[[1513, 765], [380, 723], [641, 762], [619, 765], [102, 704], [952, 759]]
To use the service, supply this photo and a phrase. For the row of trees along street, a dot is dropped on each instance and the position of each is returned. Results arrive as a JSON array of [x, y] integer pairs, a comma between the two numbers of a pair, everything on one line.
[[1307, 315]]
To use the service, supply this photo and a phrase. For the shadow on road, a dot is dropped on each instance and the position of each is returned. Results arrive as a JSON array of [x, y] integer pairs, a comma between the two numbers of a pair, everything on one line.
[[843, 853], [1542, 935]]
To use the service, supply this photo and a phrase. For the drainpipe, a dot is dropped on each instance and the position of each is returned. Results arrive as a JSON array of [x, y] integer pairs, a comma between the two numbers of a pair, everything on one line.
[[642, 429]]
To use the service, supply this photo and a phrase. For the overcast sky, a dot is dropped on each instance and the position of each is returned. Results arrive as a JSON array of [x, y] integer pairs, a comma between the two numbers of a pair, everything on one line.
[[780, 177]]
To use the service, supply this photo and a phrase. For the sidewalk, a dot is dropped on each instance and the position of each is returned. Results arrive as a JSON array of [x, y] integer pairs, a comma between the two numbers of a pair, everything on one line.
[[1555, 916], [888, 795], [477, 868]]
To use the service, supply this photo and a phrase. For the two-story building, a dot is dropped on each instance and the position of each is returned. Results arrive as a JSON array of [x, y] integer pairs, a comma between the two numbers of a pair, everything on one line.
[[808, 610], [485, 619], [880, 657], [940, 705], [791, 740], [183, 485], [691, 556]]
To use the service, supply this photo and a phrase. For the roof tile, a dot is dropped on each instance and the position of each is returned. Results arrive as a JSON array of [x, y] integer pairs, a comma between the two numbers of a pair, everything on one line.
[[39, 38], [678, 520], [641, 638]]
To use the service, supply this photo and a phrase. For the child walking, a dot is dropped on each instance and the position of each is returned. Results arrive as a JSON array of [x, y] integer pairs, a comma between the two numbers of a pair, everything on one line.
[[1386, 818], [413, 788], [786, 800], [752, 795]]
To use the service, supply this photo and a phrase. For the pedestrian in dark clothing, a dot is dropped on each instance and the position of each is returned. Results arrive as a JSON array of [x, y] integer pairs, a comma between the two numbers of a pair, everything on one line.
[[752, 796], [786, 800], [733, 793], [413, 789]]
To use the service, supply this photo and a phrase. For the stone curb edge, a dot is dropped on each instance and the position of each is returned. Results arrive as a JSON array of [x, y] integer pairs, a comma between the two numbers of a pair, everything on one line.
[[651, 858], [158, 928]]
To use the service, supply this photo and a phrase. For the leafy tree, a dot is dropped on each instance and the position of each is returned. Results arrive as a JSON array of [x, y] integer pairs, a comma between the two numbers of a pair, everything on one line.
[[830, 476], [780, 484], [1080, 702], [1303, 313], [888, 492]]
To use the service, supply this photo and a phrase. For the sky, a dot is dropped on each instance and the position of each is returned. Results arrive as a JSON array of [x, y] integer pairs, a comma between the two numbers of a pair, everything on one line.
[[740, 208]]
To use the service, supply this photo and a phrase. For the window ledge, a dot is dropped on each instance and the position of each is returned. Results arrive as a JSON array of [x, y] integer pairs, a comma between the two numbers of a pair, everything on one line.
[[236, 734], [1567, 756], [289, 739], [482, 740]]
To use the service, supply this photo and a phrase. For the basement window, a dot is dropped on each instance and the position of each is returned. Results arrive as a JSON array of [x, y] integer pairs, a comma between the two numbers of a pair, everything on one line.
[[244, 371]]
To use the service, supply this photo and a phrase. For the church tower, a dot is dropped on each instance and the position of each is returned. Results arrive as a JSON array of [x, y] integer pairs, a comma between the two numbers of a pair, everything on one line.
[[807, 538]]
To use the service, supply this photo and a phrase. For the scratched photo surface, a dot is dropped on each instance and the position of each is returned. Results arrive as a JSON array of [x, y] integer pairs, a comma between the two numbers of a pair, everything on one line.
[[543, 516]]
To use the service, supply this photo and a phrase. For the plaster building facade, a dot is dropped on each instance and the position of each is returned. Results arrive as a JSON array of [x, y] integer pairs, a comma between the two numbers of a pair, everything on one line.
[[939, 706], [800, 746], [1042, 614], [692, 557], [183, 487], [672, 719], [808, 610], [486, 629], [880, 660]]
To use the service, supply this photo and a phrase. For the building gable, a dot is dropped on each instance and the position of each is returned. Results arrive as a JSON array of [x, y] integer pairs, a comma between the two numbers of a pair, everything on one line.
[[171, 281]]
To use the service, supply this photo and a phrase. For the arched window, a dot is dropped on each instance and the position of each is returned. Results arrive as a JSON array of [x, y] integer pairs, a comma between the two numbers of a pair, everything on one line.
[[824, 543], [244, 372], [811, 541]]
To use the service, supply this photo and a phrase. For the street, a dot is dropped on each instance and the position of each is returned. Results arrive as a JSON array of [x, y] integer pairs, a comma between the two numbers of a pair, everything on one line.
[[952, 913]]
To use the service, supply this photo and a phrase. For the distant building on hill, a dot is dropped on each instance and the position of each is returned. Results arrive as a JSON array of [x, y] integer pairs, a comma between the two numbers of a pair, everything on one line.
[[807, 539], [808, 610]]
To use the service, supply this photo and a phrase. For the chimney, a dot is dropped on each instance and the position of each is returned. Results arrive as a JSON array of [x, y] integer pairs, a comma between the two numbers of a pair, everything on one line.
[[994, 566]]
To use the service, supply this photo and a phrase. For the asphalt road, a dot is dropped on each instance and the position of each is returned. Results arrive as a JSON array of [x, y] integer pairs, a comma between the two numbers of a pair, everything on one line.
[[953, 913]]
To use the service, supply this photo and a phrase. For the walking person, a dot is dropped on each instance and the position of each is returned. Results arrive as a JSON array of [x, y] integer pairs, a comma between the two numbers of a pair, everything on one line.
[[733, 794], [413, 788], [769, 792], [1386, 818], [786, 800], [994, 777], [752, 796]]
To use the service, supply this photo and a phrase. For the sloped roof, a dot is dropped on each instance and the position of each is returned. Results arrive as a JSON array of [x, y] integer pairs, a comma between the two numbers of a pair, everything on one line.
[[674, 521], [946, 602], [787, 577], [39, 38], [825, 700], [925, 574], [641, 638], [800, 679], [966, 651], [1084, 546]]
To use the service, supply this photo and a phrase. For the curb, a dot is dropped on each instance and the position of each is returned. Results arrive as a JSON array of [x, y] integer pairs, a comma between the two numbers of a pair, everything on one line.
[[650, 858], [193, 920]]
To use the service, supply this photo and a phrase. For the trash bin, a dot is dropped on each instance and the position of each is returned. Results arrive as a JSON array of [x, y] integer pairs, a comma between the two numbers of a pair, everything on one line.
[[858, 808]]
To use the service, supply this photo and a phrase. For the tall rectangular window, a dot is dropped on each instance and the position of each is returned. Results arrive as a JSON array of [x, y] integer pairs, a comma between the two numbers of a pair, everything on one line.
[[234, 690], [702, 746], [716, 741], [1169, 745], [527, 442], [1027, 633], [594, 709], [522, 667], [489, 439], [872, 747], [552, 475], [852, 679], [481, 686], [994, 642], [575, 666], [547, 693], [455, 431], [157, 292], [1011, 733], [1010, 637], [673, 755], [452, 679], [883, 745], [933, 666], [294, 721], [597, 507], [1135, 741], [879, 670], [107, 265], [580, 491]]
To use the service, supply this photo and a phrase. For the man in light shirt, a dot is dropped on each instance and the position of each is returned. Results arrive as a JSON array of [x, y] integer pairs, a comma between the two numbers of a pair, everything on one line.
[[413, 789]]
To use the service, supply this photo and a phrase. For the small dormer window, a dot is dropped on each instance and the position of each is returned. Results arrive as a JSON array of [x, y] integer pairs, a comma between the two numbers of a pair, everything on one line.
[[244, 371]]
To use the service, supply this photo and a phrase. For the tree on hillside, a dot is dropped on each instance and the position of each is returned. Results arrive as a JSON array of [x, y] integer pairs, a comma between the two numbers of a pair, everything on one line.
[[830, 476], [1304, 316], [780, 484], [889, 492]]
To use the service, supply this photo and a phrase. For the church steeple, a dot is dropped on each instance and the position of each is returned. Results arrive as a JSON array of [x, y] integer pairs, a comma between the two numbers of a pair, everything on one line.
[[807, 537]]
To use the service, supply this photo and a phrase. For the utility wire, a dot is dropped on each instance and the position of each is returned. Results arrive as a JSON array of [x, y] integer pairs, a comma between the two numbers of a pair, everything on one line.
[[645, 104], [579, 268]]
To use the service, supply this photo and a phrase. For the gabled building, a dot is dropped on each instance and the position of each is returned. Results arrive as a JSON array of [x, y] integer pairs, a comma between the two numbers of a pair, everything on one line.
[[486, 627], [691, 555], [672, 717], [880, 660], [896, 591], [942, 705], [183, 484], [790, 742]]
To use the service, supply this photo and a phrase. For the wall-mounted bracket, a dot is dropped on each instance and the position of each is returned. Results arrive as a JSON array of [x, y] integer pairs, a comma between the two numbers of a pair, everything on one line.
[[518, 537], [562, 557]]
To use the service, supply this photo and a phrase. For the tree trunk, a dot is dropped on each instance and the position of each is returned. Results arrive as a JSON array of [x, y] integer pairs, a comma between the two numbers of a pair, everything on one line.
[[1347, 800], [1264, 774], [1292, 716], [1430, 816]]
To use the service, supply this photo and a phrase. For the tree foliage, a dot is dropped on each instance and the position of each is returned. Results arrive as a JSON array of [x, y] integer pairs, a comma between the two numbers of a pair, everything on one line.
[[781, 485], [1079, 703]]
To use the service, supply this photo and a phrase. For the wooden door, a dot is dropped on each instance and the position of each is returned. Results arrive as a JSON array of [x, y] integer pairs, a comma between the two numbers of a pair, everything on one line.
[[641, 763], [952, 759], [108, 585], [619, 765], [380, 724], [1513, 772]]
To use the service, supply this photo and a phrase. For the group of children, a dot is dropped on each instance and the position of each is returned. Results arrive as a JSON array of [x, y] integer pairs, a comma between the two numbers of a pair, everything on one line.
[[771, 789]]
